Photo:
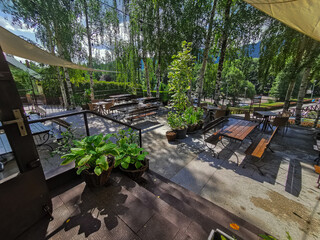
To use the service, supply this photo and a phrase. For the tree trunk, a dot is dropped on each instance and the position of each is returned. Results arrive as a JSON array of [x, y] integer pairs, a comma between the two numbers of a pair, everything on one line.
[[89, 47], [69, 87], [146, 69], [302, 93], [224, 40], [206, 53], [294, 72], [288, 95], [158, 73], [158, 79], [63, 90]]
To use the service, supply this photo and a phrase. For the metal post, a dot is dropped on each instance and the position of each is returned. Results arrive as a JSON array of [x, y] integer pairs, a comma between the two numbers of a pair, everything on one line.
[[86, 123], [314, 83], [140, 138]]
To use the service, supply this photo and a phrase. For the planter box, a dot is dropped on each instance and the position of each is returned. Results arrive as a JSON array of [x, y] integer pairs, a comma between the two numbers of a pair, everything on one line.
[[216, 235]]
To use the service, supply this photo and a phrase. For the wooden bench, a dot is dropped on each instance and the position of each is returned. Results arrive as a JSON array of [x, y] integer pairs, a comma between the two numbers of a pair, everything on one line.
[[141, 113], [61, 123], [41, 111], [259, 145]]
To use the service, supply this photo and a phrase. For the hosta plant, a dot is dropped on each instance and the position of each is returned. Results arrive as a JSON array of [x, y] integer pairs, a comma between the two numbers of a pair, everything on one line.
[[91, 153], [130, 154]]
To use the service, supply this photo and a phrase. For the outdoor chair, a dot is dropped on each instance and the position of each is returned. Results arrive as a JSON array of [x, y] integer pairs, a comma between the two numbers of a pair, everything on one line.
[[279, 122], [220, 113], [107, 107], [92, 107], [317, 170], [212, 138], [256, 115], [247, 116]]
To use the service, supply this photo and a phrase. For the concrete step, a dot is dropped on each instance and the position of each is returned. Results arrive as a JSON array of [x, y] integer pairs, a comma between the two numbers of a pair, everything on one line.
[[207, 214]]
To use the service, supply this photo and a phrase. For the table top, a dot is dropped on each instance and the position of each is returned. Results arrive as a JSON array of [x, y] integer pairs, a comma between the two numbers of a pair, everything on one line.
[[267, 113], [239, 130], [99, 103], [210, 107], [120, 96]]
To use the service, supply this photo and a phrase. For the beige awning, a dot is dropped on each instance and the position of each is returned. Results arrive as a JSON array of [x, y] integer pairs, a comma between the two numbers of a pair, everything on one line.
[[301, 15], [17, 46]]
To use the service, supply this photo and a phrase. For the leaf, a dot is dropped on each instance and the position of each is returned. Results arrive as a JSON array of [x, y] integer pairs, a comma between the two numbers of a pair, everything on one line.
[[124, 165], [84, 160], [138, 165], [97, 170], [78, 151], [101, 161], [81, 169], [127, 159], [67, 161]]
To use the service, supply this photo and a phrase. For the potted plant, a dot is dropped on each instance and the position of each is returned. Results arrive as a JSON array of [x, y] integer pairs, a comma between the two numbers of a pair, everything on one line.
[[219, 235], [177, 122], [190, 119], [131, 159], [172, 121], [199, 115], [94, 158]]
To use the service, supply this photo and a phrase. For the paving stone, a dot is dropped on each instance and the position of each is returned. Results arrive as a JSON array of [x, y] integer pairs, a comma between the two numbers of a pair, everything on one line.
[[158, 228]]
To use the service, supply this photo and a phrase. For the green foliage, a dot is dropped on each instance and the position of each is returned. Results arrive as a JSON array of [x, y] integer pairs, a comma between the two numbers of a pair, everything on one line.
[[91, 153], [176, 121], [193, 116], [129, 152], [65, 144], [281, 83], [128, 135], [234, 83], [268, 237], [180, 76]]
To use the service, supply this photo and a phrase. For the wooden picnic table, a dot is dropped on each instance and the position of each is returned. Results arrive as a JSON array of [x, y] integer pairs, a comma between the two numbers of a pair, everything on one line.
[[266, 116], [37, 129], [239, 130], [100, 105], [121, 96]]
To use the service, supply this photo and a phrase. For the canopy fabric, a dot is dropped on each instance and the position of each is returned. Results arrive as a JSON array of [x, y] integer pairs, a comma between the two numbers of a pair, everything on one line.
[[301, 15], [14, 45], [21, 66]]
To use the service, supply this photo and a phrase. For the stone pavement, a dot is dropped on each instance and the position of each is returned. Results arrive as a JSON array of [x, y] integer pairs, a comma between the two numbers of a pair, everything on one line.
[[284, 199]]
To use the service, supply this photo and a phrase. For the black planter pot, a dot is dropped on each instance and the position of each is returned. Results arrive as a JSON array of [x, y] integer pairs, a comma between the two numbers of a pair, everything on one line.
[[134, 173], [181, 134], [191, 128], [92, 180]]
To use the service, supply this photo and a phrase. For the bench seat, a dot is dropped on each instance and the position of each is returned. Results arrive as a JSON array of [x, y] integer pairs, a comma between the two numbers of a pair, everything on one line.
[[142, 116], [258, 147]]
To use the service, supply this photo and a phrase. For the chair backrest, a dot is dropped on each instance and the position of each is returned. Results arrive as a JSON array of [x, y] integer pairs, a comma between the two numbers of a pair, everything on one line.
[[203, 104], [220, 113], [213, 124], [223, 107], [271, 137], [107, 106], [286, 114], [247, 115], [91, 108], [280, 121]]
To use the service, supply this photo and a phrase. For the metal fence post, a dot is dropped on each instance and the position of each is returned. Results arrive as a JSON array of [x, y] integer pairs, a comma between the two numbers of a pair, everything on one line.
[[86, 123]]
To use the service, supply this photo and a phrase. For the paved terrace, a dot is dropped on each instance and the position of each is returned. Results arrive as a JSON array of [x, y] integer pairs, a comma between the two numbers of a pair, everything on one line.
[[284, 199]]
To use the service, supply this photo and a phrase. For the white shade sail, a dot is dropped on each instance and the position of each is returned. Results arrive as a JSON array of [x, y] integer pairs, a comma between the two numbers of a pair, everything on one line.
[[301, 15], [14, 45]]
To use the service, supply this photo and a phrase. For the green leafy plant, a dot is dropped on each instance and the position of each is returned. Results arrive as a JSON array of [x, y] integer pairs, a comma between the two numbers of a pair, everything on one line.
[[65, 144], [180, 77], [130, 154], [129, 135], [269, 237], [176, 121], [193, 116], [91, 153]]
